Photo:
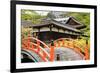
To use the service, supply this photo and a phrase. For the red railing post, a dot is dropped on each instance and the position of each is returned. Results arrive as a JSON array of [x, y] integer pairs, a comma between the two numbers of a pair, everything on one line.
[[32, 46], [52, 52], [44, 54], [38, 43], [86, 51], [28, 43]]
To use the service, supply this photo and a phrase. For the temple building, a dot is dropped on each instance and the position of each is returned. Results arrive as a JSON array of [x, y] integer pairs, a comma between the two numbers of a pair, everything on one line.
[[52, 29]]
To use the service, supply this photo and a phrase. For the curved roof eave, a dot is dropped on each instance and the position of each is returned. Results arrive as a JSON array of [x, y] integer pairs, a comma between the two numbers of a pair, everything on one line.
[[62, 25]]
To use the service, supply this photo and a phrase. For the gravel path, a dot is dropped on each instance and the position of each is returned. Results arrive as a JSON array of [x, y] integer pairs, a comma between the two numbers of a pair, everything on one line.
[[67, 54]]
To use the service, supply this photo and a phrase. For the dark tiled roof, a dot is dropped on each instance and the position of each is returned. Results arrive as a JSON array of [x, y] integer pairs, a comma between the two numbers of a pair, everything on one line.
[[64, 26], [77, 26], [66, 20], [56, 23]]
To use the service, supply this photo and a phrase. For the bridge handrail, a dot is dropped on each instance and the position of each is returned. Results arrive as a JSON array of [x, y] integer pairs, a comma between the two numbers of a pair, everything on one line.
[[38, 46], [73, 43], [29, 38]]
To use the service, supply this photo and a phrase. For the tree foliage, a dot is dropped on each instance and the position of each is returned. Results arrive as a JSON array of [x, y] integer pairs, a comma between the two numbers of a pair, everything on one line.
[[32, 16]]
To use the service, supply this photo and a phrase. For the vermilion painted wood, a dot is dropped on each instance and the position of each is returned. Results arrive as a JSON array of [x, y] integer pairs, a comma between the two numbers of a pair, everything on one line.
[[41, 51]]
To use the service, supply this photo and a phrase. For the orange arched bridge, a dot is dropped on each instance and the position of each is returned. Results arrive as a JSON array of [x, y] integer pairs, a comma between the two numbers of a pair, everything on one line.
[[39, 51]]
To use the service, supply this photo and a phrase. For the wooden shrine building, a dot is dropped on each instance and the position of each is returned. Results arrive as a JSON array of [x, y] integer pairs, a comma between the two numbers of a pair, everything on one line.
[[52, 29]]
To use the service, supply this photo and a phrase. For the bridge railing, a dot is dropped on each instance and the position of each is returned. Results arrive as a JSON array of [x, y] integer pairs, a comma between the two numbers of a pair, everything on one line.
[[82, 49], [39, 47]]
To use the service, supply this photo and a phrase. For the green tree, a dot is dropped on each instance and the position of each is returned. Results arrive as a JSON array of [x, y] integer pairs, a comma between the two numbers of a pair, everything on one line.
[[30, 15]]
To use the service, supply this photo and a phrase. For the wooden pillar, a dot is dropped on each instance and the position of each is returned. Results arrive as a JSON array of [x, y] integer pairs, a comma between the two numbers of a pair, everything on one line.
[[38, 33], [51, 32]]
